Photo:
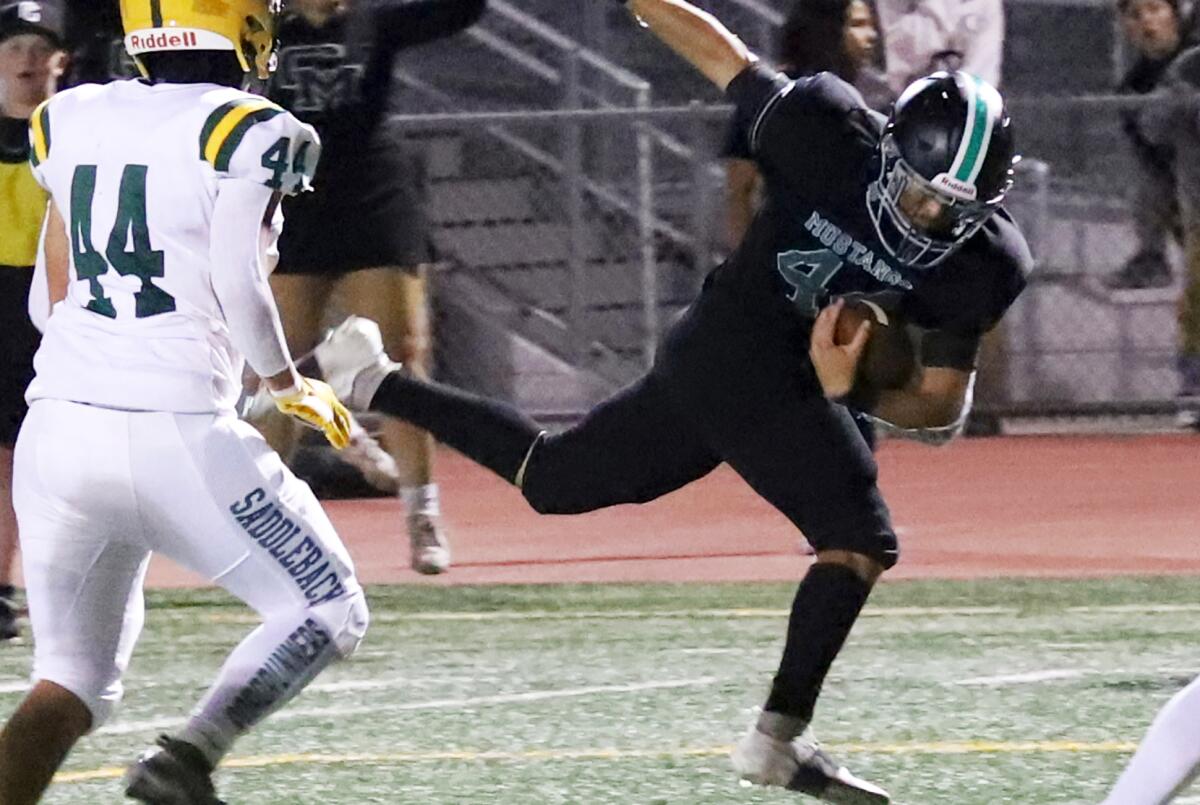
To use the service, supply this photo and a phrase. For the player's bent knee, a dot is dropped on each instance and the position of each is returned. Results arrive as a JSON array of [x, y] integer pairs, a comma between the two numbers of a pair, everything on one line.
[[347, 619], [867, 567], [558, 480], [555, 497], [99, 693]]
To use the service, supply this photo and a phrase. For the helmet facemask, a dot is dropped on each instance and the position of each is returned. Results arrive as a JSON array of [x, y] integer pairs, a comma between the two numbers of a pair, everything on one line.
[[258, 42], [910, 243]]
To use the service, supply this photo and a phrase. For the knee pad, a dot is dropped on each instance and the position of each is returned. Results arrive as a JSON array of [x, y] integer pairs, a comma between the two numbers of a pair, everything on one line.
[[347, 619]]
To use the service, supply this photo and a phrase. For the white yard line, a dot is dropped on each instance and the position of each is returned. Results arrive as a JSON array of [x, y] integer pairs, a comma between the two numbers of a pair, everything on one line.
[[124, 728], [1137, 609], [1029, 677]]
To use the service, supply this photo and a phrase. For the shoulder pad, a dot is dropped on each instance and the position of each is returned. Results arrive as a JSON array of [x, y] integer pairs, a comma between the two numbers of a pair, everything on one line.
[[252, 138]]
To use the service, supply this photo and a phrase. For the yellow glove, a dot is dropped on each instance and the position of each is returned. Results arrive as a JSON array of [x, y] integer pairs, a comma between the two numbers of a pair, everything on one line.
[[315, 404]]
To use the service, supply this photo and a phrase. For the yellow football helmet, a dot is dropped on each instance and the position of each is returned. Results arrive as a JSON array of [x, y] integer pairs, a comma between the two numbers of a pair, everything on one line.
[[247, 27]]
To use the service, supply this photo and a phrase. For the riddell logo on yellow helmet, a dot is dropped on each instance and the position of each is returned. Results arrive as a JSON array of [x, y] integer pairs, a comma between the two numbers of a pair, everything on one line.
[[164, 40], [152, 39]]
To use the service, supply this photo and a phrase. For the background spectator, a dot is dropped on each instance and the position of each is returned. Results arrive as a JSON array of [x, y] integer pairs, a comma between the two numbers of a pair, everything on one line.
[[96, 42], [361, 241], [838, 36], [921, 36], [1155, 31], [31, 62], [1172, 122]]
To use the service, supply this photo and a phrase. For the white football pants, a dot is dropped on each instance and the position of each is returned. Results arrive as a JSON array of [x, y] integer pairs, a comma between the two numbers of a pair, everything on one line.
[[96, 490]]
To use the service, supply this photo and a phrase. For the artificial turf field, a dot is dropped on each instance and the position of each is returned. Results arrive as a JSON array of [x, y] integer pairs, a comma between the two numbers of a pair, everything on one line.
[[962, 693]]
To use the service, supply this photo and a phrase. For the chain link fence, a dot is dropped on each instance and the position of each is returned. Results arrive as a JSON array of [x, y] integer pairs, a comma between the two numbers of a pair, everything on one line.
[[569, 239]]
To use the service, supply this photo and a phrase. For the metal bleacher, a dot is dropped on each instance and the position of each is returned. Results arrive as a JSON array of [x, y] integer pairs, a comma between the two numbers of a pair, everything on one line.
[[543, 266]]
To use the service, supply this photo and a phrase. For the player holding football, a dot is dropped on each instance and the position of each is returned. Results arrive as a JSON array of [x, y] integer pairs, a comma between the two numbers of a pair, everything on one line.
[[169, 189], [905, 210]]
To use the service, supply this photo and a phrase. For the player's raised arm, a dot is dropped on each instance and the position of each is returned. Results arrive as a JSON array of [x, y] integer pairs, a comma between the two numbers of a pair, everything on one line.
[[697, 36]]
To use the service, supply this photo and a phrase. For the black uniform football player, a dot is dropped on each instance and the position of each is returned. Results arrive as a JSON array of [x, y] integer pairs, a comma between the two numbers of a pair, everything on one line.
[[905, 209]]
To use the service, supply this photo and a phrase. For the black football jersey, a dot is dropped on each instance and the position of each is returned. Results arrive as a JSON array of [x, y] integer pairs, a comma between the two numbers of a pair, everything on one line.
[[338, 77], [815, 143], [96, 43]]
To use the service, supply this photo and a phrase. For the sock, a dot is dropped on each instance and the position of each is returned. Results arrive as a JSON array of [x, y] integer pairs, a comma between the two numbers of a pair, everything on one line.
[[270, 666], [1169, 756], [825, 607], [489, 432], [421, 499]]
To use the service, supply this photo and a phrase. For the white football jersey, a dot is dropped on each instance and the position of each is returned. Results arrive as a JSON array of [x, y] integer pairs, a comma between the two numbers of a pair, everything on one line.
[[134, 170]]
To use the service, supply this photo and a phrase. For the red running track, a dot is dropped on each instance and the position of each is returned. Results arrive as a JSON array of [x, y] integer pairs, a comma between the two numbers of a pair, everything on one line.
[[1011, 506]]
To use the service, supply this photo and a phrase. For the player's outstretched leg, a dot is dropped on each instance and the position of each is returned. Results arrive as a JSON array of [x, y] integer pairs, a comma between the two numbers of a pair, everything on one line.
[[353, 361], [631, 448]]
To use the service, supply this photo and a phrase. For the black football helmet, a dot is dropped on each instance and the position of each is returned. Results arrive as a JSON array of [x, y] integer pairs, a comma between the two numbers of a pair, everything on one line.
[[950, 136]]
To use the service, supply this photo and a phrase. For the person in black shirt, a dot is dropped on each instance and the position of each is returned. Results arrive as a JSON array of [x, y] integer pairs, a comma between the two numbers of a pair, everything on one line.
[[905, 211], [96, 42], [362, 238]]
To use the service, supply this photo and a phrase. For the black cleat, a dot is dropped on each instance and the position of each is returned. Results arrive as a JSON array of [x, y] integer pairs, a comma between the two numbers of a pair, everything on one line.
[[820, 776], [801, 765], [172, 773]]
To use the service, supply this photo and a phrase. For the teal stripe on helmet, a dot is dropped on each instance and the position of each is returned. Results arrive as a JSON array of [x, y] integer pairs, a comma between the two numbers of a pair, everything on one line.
[[976, 135]]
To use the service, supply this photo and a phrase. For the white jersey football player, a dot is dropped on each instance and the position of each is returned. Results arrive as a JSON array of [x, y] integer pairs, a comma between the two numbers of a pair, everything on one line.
[[1168, 759], [164, 210]]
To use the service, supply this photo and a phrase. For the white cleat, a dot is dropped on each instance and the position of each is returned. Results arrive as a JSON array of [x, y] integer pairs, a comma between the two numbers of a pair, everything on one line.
[[430, 548], [801, 765], [353, 361]]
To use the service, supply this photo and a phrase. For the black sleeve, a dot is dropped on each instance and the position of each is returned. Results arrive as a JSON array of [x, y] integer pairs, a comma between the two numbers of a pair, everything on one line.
[[407, 23], [970, 311], [756, 93], [944, 349], [735, 146], [793, 128]]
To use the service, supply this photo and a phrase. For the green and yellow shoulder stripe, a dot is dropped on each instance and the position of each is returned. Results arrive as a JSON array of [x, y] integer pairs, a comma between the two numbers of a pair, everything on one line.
[[39, 133], [227, 125]]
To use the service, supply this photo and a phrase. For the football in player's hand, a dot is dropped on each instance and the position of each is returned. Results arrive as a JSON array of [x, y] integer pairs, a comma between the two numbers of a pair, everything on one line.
[[890, 358]]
